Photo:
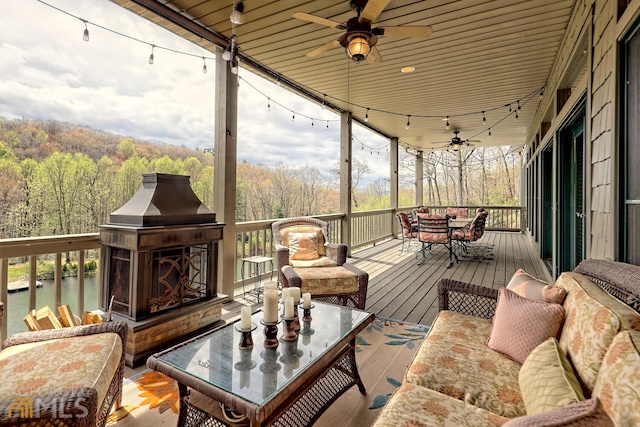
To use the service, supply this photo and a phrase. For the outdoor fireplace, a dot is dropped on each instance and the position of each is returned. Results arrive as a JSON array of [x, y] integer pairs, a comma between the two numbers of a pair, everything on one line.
[[160, 251]]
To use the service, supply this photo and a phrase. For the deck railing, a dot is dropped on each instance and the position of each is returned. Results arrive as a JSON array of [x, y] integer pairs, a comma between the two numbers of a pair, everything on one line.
[[253, 238]]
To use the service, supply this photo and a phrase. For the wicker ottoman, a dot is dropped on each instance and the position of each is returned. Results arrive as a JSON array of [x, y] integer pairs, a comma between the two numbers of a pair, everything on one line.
[[344, 285]]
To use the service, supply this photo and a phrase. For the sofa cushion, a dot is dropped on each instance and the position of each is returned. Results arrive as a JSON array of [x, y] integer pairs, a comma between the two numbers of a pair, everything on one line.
[[547, 381], [618, 382], [592, 319], [520, 324], [455, 360], [413, 405], [303, 246], [528, 286], [588, 413], [285, 232], [62, 364]]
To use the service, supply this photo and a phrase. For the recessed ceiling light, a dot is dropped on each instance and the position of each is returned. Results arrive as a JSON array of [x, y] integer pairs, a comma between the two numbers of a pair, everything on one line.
[[407, 70]]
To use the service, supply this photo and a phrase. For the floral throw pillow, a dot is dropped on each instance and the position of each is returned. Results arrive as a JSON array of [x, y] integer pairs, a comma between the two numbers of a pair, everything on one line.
[[303, 246], [586, 413], [520, 324], [534, 289]]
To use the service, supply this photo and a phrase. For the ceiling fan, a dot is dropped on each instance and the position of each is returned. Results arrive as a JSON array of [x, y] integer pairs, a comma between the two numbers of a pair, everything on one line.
[[359, 39], [457, 143]]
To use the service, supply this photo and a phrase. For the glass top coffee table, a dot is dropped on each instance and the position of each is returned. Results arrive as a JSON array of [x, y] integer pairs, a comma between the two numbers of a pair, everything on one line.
[[291, 384]]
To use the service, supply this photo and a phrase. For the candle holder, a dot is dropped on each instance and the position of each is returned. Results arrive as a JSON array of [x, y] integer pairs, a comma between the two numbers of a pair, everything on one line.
[[306, 313], [246, 340], [270, 334], [246, 363], [289, 331], [296, 319]]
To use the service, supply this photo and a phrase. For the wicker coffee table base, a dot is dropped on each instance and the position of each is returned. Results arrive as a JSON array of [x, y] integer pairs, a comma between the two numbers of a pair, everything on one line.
[[304, 411]]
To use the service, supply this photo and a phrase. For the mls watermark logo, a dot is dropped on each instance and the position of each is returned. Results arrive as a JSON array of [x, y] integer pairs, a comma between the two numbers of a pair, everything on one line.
[[34, 407]]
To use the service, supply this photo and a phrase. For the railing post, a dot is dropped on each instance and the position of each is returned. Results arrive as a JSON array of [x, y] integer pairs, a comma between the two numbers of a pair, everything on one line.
[[4, 285], [57, 280], [80, 282], [393, 184], [32, 282]]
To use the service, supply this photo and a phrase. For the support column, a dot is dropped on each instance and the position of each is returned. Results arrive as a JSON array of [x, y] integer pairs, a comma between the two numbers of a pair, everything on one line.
[[419, 179], [345, 178], [224, 175], [393, 183]]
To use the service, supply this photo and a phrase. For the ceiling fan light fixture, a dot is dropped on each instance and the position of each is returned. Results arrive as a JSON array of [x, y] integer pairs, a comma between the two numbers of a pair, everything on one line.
[[455, 146], [359, 45]]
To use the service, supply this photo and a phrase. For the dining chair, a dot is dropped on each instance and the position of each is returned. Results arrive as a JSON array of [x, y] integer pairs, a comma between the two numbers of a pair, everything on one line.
[[409, 230], [433, 229]]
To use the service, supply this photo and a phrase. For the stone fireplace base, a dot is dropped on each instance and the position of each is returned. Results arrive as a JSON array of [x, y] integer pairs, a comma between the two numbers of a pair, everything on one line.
[[148, 336]]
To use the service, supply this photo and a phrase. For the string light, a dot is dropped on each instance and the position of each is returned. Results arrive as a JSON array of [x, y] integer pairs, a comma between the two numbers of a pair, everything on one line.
[[517, 117], [85, 34], [324, 100], [447, 125], [293, 117], [151, 56], [204, 65], [327, 124], [366, 116], [268, 104], [484, 119], [311, 122], [228, 55], [408, 126]]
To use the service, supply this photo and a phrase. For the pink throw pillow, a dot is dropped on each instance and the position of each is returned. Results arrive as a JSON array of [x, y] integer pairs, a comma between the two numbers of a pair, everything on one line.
[[520, 324], [534, 289], [586, 413]]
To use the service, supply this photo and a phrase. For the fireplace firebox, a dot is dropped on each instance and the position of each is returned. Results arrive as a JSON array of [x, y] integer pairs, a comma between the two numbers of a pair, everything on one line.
[[161, 250]]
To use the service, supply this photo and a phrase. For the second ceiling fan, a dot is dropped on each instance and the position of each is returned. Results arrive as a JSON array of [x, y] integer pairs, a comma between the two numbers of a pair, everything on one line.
[[359, 39]]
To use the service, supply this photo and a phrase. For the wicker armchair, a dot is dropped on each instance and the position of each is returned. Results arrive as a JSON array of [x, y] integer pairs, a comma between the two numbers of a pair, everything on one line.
[[329, 254], [61, 406]]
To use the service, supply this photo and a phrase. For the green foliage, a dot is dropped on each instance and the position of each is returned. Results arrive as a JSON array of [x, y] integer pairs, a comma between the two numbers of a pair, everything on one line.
[[90, 266]]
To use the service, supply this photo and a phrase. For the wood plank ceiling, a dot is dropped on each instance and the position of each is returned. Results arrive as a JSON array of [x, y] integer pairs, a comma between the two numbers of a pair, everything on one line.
[[482, 55]]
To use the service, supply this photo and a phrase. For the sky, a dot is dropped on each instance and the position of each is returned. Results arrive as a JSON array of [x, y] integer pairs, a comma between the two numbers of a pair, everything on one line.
[[48, 72]]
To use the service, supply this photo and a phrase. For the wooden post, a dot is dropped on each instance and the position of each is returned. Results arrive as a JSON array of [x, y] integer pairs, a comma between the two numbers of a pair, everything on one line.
[[393, 183], [225, 157], [345, 178], [81, 281], [419, 179], [4, 285], [57, 280]]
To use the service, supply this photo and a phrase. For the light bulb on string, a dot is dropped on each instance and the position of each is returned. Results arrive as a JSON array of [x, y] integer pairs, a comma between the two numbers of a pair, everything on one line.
[[489, 131], [234, 67], [324, 100], [517, 117], [293, 117], [366, 116], [447, 126], [327, 124], [268, 104], [278, 81], [151, 56], [408, 126], [510, 110], [226, 55], [484, 119], [541, 92], [519, 107], [311, 122], [204, 66], [85, 34]]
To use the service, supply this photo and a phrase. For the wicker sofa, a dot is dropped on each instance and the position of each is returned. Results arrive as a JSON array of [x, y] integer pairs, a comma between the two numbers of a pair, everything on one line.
[[456, 379], [70, 376]]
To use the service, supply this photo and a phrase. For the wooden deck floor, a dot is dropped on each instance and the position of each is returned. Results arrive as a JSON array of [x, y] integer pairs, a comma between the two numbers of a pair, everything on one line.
[[401, 289]]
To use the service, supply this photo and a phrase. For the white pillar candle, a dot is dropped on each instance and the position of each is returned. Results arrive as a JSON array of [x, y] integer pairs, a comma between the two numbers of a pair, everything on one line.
[[306, 300], [294, 292], [270, 308], [288, 307], [245, 317], [285, 293]]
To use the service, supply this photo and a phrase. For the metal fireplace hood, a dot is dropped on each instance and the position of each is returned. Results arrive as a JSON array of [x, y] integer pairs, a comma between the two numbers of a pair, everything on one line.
[[163, 200]]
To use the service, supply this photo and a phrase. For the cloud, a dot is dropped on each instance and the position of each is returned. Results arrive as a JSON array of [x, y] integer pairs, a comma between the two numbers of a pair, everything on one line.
[[49, 73]]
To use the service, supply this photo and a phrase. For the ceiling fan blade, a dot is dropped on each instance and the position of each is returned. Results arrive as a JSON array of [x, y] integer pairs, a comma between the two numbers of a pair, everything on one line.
[[374, 56], [325, 47], [421, 32], [318, 20], [372, 10]]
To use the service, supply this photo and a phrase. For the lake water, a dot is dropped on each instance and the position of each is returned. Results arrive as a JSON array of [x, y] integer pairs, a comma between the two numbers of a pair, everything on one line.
[[18, 302]]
